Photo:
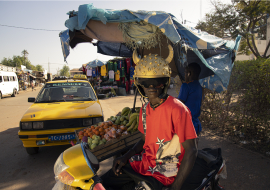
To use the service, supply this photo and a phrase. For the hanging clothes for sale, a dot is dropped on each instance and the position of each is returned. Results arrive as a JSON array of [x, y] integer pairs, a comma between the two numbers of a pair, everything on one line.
[[115, 66], [119, 64], [89, 72], [127, 86], [110, 65], [127, 65], [111, 75], [103, 70], [117, 75], [97, 71], [131, 72], [123, 74], [122, 79], [93, 72], [131, 83], [132, 63]]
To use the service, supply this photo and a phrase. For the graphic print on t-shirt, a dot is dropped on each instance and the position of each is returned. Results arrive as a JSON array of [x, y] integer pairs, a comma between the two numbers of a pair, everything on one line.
[[167, 156]]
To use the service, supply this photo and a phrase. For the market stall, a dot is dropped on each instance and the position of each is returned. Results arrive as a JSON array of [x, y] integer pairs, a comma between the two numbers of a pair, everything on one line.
[[115, 75], [127, 33]]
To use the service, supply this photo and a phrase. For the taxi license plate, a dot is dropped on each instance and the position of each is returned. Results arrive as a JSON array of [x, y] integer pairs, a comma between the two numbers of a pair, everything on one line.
[[62, 137]]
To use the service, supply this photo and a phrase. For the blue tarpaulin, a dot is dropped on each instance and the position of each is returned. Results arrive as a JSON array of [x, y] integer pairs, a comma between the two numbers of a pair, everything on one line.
[[96, 63], [64, 39], [215, 55]]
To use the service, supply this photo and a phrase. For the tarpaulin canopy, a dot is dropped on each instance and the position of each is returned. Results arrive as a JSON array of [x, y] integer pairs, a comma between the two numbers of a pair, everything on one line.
[[119, 32], [96, 63]]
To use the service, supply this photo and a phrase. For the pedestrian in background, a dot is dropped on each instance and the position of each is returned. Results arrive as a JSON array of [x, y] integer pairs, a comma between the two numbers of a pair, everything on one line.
[[191, 94], [33, 85]]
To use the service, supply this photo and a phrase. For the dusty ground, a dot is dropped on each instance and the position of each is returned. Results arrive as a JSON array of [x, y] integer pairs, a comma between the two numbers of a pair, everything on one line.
[[246, 170]]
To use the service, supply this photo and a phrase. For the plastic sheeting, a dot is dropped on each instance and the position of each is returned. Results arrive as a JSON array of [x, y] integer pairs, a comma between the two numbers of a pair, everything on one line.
[[96, 63], [214, 54]]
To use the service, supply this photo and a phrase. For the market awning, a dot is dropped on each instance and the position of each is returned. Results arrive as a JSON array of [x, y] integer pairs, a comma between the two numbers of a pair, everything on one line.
[[119, 31], [96, 63], [32, 76]]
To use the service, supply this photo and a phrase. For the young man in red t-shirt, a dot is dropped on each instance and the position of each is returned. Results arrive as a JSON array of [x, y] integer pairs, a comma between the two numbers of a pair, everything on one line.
[[166, 153]]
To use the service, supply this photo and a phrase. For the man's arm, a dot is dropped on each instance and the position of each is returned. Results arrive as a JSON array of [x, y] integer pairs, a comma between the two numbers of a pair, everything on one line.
[[137, 148], [118, 163], [186, 164]]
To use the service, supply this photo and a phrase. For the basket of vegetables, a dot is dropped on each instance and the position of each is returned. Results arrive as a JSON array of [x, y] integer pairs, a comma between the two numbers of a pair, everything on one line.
[[113, 136]]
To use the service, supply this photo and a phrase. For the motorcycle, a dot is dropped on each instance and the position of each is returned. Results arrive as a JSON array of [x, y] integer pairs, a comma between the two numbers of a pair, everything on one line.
[[76, 168]]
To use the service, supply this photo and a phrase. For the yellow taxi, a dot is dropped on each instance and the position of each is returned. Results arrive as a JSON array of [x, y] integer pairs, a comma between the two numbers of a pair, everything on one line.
[[61, 107]]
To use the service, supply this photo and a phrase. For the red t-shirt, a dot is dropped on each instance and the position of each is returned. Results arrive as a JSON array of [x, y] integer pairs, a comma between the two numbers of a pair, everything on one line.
[[128, 65], [167, 126]]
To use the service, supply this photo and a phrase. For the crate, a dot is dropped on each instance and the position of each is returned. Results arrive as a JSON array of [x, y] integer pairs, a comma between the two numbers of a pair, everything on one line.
[[114, 146]]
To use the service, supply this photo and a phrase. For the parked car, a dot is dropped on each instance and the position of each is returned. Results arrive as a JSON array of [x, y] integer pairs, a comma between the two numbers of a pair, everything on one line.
[[61, 107], [8, 84]]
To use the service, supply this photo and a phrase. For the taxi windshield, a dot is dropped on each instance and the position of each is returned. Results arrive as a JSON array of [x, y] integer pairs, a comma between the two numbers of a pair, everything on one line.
[[69, 91]]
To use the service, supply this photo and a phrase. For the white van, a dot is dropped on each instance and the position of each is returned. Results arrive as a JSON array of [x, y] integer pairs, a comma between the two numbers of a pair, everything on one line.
[[9, 84]]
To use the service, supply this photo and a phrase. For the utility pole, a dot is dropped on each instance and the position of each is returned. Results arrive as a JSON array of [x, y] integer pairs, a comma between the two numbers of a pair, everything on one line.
[[48, 66], [201, 10], [268, 34]]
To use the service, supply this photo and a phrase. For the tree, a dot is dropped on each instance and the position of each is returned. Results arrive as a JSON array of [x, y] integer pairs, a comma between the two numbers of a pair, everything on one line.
[[256, 14], [65, 71], [25, 54], [39, 68], [17, 61], [246, 18], [6, 61]]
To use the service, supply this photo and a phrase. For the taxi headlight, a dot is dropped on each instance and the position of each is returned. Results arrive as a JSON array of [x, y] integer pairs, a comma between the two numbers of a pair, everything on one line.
[[60, 171], [38, 125], [26, 125], [87, 122]]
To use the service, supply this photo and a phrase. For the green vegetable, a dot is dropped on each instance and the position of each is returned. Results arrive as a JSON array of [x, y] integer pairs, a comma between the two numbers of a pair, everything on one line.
[[94, 137], [89, 140], [93, 146], [96, 141]]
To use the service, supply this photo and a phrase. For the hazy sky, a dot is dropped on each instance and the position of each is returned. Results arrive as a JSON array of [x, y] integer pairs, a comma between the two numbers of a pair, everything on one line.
[[44, 46]]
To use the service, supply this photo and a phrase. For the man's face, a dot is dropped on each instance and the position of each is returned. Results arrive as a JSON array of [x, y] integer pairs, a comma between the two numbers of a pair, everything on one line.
[[152, 92], [187, 74], [153, 86]]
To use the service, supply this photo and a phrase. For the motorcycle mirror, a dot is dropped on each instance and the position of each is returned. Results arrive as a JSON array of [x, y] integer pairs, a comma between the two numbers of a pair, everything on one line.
[[91, 159]]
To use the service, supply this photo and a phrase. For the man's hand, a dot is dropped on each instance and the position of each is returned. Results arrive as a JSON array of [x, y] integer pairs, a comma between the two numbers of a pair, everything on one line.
[[118, 163]]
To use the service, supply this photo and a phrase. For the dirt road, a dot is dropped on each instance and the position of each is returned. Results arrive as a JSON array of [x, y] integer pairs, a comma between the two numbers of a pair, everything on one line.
[[246, 170]]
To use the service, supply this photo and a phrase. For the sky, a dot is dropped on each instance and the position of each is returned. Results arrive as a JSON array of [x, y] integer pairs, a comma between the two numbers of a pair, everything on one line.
[[46, 19]]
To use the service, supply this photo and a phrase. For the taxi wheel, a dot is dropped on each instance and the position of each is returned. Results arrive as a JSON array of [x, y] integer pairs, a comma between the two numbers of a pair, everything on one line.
[[32, 150], [14, 93]]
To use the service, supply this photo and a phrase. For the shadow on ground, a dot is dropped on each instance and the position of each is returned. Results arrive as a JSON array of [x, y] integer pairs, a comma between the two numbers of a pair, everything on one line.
[[22, 171], [246, 170]]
